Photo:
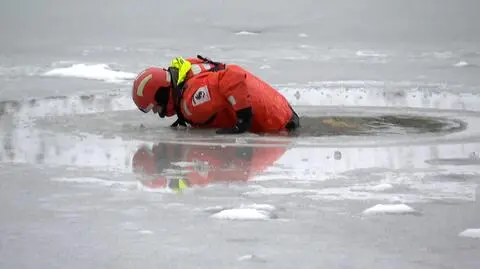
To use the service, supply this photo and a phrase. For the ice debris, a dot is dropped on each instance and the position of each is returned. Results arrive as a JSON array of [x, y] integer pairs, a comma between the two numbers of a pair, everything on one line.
[[472, 233], [389, 209]]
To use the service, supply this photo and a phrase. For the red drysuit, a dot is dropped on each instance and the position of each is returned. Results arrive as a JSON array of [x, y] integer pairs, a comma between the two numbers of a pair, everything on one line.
[[211, 99]]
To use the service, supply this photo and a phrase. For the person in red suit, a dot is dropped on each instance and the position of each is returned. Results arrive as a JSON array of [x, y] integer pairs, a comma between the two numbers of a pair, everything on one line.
[[207, 94]]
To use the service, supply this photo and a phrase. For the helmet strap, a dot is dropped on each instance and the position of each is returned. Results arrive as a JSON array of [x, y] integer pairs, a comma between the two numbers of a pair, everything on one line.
[[162, 97], [177, 89]]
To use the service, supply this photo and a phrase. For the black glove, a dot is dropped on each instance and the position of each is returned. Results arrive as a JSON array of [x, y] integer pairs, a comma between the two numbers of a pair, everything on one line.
[[180, 119], [178, 122], [244, 121], [234, 130]]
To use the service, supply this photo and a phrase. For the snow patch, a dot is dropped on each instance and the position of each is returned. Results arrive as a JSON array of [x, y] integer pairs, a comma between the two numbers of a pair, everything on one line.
[[464, 64], [369, 53], [374, 188], [472, 233], [91, 71], [145, 232], [244, 33], [461, 64], [389, 209]]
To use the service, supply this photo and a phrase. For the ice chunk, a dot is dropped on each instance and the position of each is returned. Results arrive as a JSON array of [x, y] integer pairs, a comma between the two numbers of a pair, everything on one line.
[[473, 233], [461, 64], [246, 33], [263, 207], [389, 209], [381, 187], [243, 214], [250, 257]]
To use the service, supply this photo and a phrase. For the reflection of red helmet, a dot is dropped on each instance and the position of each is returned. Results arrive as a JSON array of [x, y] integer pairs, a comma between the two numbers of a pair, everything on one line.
[[154, 160], [152, 88], [144, 161]]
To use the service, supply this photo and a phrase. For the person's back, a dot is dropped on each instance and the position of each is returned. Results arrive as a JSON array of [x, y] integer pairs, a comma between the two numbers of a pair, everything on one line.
[[271, 110], [211, 100]]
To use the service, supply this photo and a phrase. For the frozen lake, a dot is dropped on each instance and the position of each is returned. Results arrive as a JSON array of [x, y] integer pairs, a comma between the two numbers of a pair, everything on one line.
[[384, 173]]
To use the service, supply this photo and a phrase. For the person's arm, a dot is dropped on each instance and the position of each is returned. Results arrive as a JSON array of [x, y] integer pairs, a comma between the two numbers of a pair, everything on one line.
[[244, 121], [233, 85]]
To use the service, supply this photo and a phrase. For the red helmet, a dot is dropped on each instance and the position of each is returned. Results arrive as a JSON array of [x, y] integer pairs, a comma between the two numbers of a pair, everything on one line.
[[151, 90]]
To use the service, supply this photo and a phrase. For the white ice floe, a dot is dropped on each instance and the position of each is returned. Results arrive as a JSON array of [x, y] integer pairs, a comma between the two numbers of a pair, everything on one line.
[[472, 233], [91, 71], [389, 209], [242, 214], [302, 35]]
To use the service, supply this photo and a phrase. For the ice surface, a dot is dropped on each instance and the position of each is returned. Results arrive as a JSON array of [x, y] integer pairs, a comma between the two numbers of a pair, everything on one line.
[[97, 182], [354, 93]]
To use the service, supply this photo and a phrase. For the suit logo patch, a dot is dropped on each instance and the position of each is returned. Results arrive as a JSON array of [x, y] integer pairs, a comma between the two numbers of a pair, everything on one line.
[[201, 96]]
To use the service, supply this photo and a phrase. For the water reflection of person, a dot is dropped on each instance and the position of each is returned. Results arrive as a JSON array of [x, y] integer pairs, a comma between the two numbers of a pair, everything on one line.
[[202, 164]]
